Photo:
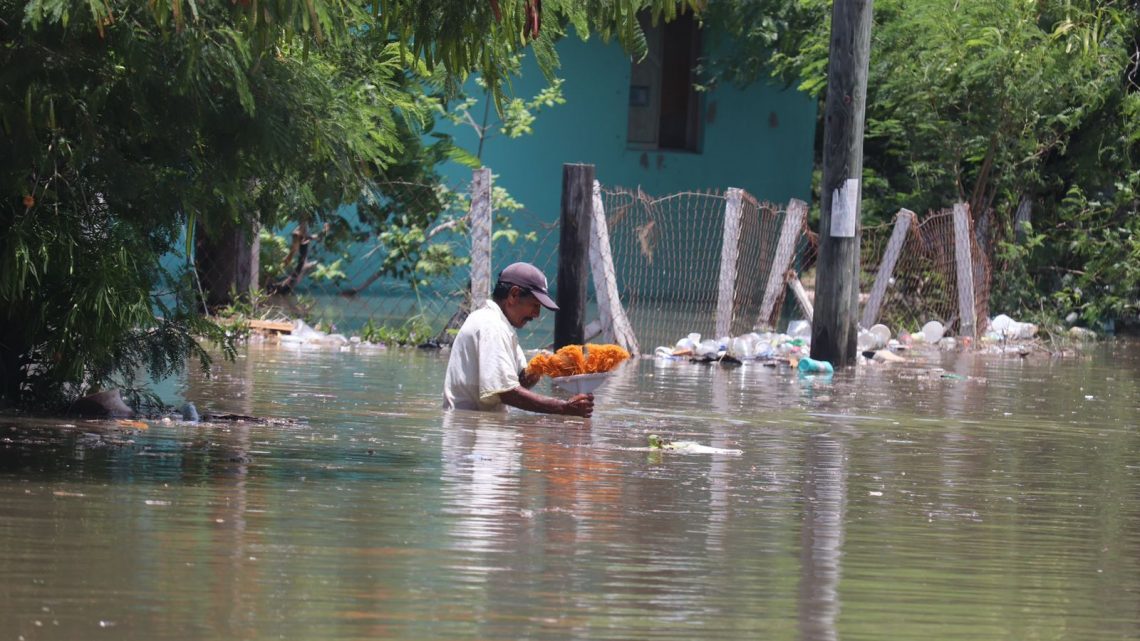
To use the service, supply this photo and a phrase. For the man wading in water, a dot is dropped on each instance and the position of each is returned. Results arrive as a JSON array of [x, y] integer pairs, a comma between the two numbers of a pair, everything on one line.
[[487, 368]]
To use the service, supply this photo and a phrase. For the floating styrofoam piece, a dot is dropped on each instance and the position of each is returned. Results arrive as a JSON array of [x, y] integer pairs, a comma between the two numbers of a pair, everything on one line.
[[1004, 327], [887, 356], [1082, 333]]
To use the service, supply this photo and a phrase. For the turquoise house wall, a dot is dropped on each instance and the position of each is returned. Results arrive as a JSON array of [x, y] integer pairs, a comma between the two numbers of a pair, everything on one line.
[[759, 138]]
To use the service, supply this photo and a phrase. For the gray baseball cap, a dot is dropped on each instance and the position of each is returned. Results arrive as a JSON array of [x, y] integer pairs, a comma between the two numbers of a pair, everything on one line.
[[531, 279]]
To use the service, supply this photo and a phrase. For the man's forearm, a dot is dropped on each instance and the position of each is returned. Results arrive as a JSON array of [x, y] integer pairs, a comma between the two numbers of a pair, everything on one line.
[[525, 399]]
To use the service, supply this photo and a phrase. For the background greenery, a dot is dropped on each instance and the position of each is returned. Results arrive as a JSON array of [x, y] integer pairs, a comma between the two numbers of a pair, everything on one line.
[[127, 125], [987, 102]]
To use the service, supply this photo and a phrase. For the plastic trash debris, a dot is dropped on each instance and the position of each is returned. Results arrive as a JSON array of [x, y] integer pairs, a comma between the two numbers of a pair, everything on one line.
[[1023, 330], [742, 348], [882, 334], [190, 413], [932, 332], [688, 447], [1000, 324], [1082, 333], [707, 349], [887, 356], [688, 344], [812, 366], [799, 329], [1003, 327]]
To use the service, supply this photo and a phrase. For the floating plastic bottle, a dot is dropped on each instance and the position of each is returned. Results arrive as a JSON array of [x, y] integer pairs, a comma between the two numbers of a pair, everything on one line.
[[743, 348], [932, 332], [799, 329], [190, 413], [813, 366], [689, 343], [882, 335], [708, 349]]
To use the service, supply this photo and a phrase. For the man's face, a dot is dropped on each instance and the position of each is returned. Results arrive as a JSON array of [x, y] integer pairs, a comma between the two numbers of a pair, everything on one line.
[[521, 307]]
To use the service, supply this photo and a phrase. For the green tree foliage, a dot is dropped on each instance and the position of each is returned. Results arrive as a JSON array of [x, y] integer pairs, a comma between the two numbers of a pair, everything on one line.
[[989, 102], [124, 124]]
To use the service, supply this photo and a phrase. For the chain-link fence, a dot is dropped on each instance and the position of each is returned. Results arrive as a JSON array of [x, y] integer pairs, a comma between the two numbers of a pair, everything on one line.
[[924, 283], [668, 255], [704, 262]]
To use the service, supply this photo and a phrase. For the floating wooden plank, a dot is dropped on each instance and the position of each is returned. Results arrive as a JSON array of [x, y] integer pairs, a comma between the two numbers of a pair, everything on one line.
[[801, 295], [271, 326]]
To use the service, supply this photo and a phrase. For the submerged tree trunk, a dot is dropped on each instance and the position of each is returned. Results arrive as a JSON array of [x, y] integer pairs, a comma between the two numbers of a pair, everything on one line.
[[226, 259], [13, 351]]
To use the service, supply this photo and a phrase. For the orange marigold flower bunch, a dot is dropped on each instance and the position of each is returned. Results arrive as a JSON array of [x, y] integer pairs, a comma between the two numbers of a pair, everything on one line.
[[572, 359], [603, 358]]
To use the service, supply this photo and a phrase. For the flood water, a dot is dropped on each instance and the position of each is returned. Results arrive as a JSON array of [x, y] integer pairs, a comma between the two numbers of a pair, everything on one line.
[[994, 498]]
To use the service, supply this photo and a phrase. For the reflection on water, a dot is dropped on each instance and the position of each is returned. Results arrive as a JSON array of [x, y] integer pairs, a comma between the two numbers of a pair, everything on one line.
[[951, 497]]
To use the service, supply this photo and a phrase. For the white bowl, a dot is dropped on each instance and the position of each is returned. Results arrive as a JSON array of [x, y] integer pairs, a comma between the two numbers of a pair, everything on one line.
[[581, 383]]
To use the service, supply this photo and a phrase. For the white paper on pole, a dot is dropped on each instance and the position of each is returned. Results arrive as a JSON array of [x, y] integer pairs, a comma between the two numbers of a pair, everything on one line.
[[844, 206]]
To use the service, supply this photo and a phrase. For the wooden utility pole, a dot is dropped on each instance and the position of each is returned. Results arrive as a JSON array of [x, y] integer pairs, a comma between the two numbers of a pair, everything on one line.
[[834, 327], [574, 254]]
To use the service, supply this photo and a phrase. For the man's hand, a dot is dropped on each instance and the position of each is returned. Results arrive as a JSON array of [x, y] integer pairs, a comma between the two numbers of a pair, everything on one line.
[[580, 405]]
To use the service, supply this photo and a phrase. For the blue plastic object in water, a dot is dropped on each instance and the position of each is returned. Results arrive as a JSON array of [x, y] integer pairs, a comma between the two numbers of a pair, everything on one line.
[[190, 413], [812, 366]]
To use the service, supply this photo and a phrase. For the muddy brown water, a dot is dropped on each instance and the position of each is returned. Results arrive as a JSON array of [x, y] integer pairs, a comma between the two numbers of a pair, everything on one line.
[[955, 496]]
